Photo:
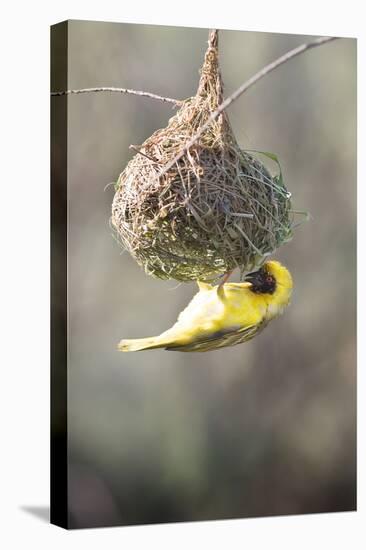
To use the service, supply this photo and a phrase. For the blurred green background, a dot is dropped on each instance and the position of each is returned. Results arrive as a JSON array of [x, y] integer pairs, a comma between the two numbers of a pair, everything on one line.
[[265, 428]]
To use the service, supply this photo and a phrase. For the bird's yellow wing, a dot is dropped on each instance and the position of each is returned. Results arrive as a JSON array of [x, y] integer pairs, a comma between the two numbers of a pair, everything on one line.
[[220, 339]]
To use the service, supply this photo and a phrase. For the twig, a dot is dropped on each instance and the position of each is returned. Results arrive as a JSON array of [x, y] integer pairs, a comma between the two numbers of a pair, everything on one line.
[[176, 102], [243, 88], [137, 149], [213, 38]]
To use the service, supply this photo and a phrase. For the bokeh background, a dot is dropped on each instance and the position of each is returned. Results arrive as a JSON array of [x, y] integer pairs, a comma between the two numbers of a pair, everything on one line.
[[260, 429]]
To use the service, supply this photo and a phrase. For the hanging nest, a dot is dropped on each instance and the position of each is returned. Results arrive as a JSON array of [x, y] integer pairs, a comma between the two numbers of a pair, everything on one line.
[[216, 209]]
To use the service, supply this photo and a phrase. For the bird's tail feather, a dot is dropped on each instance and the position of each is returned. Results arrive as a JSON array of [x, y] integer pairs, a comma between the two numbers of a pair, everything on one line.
[[140, 344]]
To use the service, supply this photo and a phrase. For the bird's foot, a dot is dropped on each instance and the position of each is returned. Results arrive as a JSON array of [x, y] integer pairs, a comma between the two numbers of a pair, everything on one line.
[[225, 277]]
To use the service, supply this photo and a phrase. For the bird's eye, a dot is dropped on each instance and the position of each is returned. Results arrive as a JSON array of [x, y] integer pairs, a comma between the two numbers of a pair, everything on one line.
[[269, 279]]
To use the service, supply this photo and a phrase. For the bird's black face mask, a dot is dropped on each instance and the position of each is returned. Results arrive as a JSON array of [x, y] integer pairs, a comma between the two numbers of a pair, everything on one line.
[[262, 281]]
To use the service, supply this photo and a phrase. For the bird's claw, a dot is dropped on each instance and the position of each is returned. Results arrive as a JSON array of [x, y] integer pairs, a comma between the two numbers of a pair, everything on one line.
[[225, 277]]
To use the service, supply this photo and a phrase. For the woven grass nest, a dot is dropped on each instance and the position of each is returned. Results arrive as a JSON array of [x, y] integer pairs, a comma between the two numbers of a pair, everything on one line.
[[216, 209]]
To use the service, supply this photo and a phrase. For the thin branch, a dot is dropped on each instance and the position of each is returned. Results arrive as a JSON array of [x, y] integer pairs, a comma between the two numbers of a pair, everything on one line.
[[138, 150], [213, 37], [176, 102], [243, 88]]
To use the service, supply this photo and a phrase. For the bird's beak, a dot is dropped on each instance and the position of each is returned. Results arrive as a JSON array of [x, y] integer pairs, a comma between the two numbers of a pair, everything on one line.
[[252, 277], [255, 278]]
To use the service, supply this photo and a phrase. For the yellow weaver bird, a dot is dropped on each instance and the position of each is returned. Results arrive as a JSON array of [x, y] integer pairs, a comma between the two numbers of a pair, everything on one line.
[[225, 315]]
